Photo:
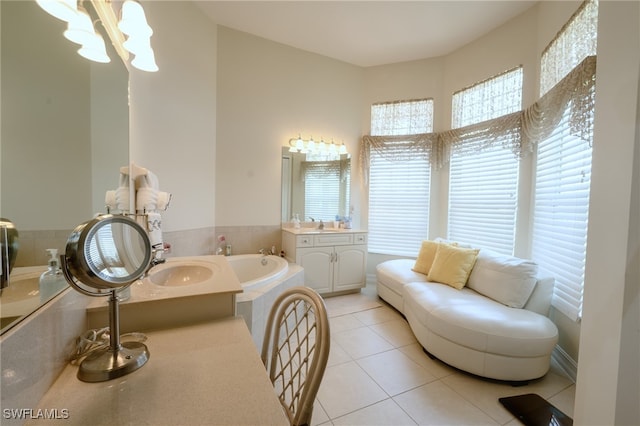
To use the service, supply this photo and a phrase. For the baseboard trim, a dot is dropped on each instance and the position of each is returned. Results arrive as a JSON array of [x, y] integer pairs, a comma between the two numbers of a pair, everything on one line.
[[371, 279], [565, 362]]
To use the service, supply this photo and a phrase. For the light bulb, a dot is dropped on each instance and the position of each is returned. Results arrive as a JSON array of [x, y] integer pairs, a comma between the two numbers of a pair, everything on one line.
[[145, 61], [133, 21], [61, 9], [80, 28], [95, 50]]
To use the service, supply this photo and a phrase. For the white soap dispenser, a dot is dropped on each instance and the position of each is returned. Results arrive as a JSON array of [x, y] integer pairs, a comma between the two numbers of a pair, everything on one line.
[[52, 280]]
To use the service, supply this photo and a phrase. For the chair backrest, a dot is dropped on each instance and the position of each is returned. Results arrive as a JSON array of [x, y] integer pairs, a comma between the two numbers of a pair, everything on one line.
[[295, 350]]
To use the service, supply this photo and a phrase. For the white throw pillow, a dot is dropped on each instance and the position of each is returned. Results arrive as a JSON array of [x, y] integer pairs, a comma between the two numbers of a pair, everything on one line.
[[505, 279]]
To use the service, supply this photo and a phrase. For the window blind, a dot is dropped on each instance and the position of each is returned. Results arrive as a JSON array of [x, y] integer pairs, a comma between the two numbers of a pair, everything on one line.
[[563, 172], [483, 177], [483, 199], [559, 242], [398, 205], [399, 180], [322, 180]]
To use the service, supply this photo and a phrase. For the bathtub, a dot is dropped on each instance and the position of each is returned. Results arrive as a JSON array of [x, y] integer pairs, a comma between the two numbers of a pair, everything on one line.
[[255, 270], [261, 284]]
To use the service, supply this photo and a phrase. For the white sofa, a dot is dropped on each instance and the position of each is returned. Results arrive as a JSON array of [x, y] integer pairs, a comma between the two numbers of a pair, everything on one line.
[[496, 326]]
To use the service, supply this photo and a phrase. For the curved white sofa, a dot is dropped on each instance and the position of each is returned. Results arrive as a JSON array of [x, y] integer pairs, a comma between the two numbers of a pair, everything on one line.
[[470, 330]]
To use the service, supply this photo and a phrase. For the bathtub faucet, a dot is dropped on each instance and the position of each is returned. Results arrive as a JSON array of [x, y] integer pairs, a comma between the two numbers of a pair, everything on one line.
[[267, 251]]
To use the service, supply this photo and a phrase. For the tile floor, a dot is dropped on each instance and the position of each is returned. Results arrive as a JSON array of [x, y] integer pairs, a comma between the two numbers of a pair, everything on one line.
[[377, 374]]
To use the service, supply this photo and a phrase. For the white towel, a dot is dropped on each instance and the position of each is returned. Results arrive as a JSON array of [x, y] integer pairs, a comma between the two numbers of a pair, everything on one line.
[[146, 200], [154, 229]]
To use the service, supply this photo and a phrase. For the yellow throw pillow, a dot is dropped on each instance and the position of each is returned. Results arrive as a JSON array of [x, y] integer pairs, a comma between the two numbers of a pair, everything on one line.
[[452, 265], [425, 257]]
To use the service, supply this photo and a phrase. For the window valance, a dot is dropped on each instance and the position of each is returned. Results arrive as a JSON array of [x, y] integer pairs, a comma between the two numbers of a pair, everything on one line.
[[518, 132]]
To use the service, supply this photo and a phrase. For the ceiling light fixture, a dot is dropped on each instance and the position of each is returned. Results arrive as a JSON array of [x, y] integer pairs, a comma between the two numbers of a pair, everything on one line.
[[80, 29]]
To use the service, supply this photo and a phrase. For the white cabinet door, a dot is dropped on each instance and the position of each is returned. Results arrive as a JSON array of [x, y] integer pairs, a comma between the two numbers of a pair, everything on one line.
[[316, 262], [349, 267]]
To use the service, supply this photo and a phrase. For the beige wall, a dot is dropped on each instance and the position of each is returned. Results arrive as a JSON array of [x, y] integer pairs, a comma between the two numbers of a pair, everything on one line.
[[267, 94], [173, 113]]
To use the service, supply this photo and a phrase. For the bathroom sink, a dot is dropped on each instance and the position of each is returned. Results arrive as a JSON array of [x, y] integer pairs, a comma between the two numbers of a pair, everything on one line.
[[180, 274]]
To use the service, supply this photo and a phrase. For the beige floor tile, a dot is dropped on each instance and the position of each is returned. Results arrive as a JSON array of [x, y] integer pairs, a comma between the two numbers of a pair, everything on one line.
[[337, 355], [319, 416], [484, 394], [396, 332], [344, 322], [378, 315], [395, 372], [437, 404], [383, 413], [564, 400], [346, 388], [438, 368], [361, 342]]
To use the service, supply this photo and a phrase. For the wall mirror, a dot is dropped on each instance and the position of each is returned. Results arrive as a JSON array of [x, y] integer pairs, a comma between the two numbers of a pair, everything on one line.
[[318, 189], [64, 136]]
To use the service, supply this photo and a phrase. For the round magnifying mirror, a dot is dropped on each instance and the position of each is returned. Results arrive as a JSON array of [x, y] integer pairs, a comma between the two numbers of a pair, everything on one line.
[[107, 252]]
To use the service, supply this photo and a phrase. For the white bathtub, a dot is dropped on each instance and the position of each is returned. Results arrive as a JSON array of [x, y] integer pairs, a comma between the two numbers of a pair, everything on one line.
[[261, 284], [255, 270]]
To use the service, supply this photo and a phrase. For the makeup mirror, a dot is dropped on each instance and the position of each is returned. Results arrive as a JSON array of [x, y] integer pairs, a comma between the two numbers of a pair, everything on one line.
[[104, 255]]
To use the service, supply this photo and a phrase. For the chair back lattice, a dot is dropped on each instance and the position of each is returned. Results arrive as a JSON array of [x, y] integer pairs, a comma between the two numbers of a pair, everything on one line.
[[295, 350]]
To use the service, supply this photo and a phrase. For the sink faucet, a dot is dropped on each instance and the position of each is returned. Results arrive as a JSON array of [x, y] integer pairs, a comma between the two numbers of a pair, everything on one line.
[[157, 260], [154, 262]]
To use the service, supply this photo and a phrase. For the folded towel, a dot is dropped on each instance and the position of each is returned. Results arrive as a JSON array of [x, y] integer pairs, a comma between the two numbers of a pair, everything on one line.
[[154, 229]]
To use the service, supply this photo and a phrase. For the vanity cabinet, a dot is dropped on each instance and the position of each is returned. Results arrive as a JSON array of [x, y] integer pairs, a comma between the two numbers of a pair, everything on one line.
[[333, 261]]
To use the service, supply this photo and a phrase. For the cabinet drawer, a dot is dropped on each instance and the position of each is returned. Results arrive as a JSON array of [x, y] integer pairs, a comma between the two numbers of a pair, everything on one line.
[[360, 239], [304, 241], [333, 239]]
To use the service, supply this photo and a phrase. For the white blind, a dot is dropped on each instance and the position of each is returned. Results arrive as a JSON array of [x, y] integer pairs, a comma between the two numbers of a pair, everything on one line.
[[483, 181], [563, 172], [322, 181], [399, 188], [559, 243], [483, 199], [398, 205]]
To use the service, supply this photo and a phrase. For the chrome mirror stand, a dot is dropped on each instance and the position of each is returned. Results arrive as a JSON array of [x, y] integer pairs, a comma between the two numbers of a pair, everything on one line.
[[118, 359]]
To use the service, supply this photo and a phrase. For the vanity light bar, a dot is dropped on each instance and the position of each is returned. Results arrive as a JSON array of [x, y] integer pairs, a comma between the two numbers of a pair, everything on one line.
[[310, 146]]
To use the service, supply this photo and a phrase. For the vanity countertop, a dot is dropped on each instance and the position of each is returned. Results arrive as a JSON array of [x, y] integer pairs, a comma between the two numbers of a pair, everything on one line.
[[208, 373], [326, 230]]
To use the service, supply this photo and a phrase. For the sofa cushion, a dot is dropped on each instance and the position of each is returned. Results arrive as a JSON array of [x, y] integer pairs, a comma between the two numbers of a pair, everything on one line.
[[452, 265], [425, 256], [474, 321], [396, 273], [506, 279]]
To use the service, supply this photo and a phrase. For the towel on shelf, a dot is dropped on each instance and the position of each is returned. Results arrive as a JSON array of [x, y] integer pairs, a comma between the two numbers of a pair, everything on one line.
[[154, 229], [146, 200]]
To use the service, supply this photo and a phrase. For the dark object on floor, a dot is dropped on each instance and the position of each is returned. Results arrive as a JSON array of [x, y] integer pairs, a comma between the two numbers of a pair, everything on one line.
[[533, 410]]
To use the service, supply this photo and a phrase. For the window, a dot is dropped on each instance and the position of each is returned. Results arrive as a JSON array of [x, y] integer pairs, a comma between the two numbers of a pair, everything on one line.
[[563, 174], [483, 176], [399, 179]]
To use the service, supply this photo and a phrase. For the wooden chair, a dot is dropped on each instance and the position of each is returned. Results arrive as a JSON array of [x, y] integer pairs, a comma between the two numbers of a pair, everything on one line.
[[295, 350]]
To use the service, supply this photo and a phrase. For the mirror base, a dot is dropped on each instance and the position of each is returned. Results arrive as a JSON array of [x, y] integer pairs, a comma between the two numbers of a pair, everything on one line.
[[107, 364]]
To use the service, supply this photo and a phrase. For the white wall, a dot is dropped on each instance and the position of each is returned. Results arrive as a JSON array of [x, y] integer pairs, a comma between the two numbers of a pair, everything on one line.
[[611, 276], [267, 94], [173, 113]]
